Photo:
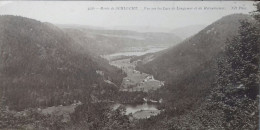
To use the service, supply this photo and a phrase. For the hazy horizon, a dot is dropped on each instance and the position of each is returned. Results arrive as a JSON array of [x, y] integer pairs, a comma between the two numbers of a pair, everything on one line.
[[78, 13]]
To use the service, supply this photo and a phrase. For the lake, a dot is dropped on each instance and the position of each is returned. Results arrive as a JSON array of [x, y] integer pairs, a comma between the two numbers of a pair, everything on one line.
[[138, 53], [131, 108], [140, 111]]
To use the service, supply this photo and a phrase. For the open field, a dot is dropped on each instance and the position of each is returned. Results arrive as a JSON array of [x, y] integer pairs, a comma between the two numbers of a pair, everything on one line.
[[136, 80]]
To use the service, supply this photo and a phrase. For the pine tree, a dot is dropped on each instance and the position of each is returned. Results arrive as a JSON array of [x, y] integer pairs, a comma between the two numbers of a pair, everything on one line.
[[240, 64], [256, 13]]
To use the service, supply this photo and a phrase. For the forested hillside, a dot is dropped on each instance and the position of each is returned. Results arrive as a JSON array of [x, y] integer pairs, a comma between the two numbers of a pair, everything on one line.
[[42, 66], [211, 78], [197, 50], [232, 102], [189, 68]]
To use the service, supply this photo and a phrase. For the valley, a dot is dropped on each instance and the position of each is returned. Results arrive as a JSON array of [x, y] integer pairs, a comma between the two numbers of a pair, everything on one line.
[[136, 81], [201, 75]]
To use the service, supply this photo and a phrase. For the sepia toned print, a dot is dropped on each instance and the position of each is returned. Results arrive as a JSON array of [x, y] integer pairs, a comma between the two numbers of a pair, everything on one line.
[[128, 65]]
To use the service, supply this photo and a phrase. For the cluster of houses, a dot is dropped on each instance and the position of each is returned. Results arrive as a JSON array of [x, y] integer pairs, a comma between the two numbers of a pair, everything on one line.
[[99, 72], [147, 84]]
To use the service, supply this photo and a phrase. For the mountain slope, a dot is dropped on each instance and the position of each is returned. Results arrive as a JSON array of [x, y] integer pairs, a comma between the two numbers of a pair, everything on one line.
[[110, 41], [42, 66], [193, 52], [189, 68], [188, 31]]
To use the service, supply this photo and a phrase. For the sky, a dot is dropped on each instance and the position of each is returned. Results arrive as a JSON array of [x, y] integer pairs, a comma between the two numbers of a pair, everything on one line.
[[139, 19]]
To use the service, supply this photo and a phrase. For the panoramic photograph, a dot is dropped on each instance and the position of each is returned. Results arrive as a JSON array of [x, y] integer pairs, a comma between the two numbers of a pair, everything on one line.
[[129, 65]]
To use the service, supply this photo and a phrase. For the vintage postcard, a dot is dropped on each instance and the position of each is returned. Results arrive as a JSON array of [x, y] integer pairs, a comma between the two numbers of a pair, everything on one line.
[[129, 65]]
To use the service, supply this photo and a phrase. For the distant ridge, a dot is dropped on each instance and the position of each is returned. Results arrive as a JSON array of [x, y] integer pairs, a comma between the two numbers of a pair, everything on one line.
[[111, 41]]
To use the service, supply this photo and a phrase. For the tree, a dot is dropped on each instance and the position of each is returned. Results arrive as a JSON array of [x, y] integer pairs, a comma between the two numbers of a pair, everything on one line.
[[240, 64], [256, 14]]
